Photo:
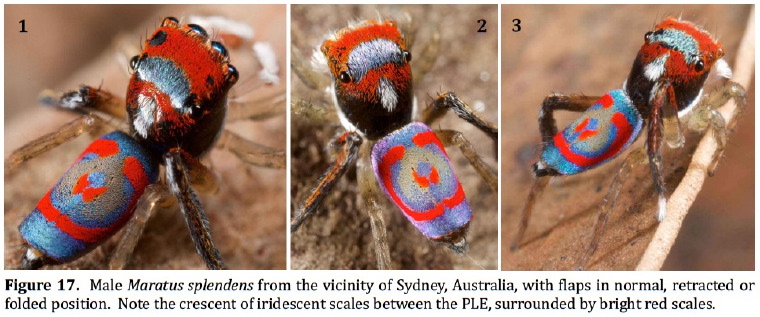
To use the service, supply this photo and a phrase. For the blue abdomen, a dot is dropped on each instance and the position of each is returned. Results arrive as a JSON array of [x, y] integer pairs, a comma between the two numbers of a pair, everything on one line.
[[92, 200], [604, 131]]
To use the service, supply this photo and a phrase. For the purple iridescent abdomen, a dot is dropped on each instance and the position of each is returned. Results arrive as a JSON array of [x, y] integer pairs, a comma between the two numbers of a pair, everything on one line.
[[413, 169]]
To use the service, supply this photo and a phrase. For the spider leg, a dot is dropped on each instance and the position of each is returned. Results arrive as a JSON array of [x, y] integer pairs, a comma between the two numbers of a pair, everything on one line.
[[158, 195], [633, 159], [451, 137], [424, 62], [408, 26], [705, 115], [86, 99], [301, 66], [449, 100], [251, 153], [86, 123], [349, 143], [654, 146], [195, 218], [315, 114], [573, 102], [259, 109], [370, 195], [535, 191], [548, 128], [671, 125], [424, 59], [155, 195]]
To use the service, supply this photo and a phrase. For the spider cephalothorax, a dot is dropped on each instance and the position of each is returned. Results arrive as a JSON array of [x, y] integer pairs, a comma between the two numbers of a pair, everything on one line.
[[678, 54], [372, 77], [177, 96]]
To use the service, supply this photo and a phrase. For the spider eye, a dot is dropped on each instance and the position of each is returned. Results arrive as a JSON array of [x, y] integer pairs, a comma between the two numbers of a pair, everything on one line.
[[407, 56], [165, 22], [220, 48], [194, 108], [699, 66], [196, 111], [345, 77], [233, 75], [198, 29], [133, 62], [646, 36]]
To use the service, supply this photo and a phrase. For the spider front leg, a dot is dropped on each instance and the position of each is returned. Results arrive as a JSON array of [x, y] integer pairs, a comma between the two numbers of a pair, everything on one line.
[[372, 201], [655, 129], [705, 115], [177, 176], [349, 144], [548, 128]]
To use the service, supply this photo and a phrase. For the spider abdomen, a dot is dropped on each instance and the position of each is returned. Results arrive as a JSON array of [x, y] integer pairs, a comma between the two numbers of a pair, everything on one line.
[[413, 169], [604, 131], [92, 200]]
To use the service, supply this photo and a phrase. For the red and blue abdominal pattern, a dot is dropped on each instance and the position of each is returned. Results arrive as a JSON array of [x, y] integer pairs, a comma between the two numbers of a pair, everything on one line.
[[413, 169], [93, 199], [604, 131]]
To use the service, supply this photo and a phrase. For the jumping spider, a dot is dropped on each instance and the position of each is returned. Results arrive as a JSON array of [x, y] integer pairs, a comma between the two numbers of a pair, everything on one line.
[[371, 59], [664, 85], [175, 107]]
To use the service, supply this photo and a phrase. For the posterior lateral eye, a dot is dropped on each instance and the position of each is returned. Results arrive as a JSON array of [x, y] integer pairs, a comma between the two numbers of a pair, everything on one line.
[[345, 77]]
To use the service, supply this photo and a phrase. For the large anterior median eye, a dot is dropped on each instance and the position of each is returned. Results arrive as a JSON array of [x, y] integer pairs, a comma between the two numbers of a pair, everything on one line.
[[407, 56]]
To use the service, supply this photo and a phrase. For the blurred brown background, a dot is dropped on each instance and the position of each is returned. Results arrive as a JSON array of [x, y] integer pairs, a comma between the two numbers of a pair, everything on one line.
[[77, 44], [589, 49], [338, 236]]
